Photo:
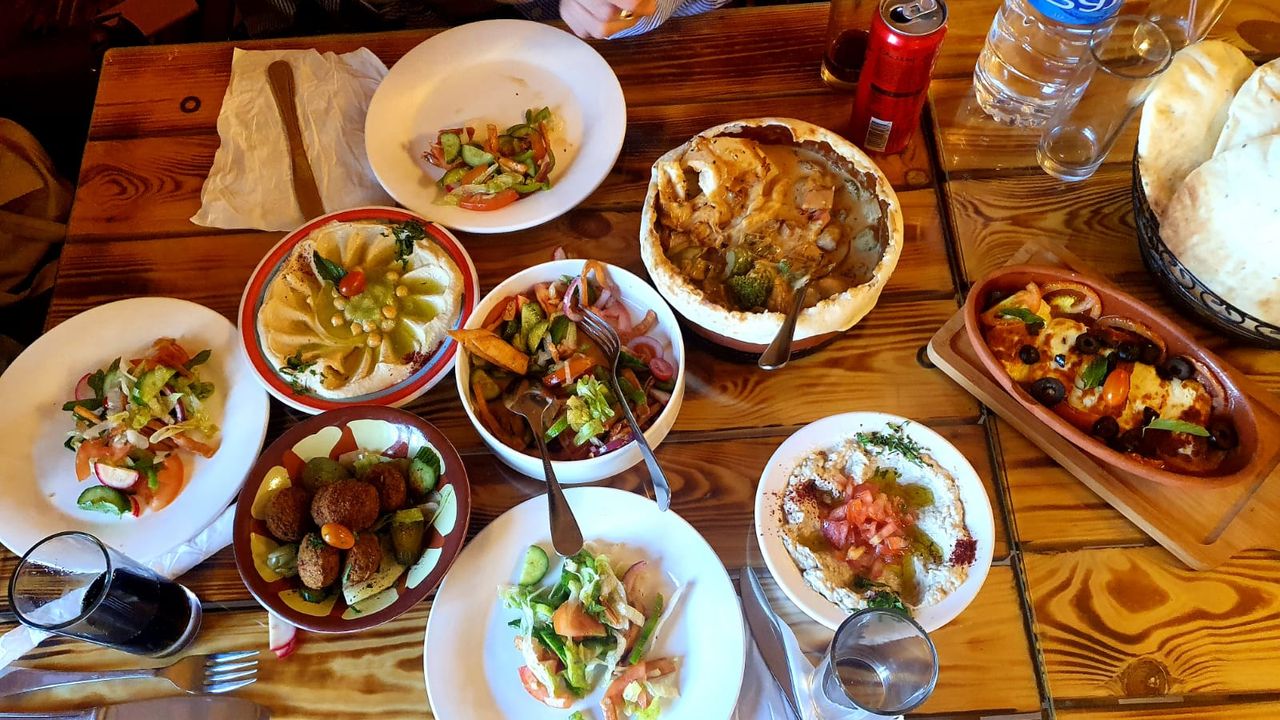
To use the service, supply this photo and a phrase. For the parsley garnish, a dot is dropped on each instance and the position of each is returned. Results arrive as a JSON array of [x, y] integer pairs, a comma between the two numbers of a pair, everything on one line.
[[407, 234], [1175, 426], [1021, 313], [896, 441], [1094, 373], [882, 597], [327, 269], [294, 368]]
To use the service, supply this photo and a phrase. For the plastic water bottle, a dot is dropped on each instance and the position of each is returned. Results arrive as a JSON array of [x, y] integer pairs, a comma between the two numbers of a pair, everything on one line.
[[1032, 53]]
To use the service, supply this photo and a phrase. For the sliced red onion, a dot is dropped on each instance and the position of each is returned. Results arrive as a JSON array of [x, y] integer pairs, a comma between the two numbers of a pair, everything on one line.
[[567, 304], [603, 301], [646, 348], [661, 396]]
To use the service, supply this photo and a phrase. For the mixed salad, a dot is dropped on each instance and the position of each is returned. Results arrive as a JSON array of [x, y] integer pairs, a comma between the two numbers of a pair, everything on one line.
[[594, 624], [533, 337], [494, 170], [132, 421]]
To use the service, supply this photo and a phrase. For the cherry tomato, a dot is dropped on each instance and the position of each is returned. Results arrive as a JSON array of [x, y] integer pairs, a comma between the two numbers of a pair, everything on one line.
[[338, 536], [489, 202], [661, 369], [1115, 391], [352, 283]]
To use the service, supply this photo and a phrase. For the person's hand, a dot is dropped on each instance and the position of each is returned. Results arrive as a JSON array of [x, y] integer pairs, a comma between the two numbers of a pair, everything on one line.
[[602, 18]]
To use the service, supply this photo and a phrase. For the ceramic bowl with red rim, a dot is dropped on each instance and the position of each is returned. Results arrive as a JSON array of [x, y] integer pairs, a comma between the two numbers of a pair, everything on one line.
[[372, 435], [354, 307]]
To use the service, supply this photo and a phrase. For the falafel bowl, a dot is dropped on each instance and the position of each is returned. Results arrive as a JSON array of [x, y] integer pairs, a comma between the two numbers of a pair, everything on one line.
[[350, 518]]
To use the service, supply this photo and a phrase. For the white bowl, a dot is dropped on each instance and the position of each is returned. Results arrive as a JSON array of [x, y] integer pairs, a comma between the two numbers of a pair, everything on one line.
[[639, 297]]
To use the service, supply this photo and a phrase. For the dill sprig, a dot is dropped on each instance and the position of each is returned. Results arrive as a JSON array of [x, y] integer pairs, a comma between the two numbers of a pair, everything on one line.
[[894, 442]]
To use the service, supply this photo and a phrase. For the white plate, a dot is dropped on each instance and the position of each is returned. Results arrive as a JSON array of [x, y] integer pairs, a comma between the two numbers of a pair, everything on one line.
[[491, 72], [39, 480], [471, 662], [825, 433]]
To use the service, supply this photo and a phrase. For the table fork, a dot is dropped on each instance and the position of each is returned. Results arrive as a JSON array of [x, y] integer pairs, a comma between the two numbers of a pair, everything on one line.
[[197, 674], [611, 345]]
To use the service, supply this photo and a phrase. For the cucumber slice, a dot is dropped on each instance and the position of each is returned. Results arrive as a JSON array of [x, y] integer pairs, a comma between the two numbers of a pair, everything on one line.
[[474, 156], [453, 177], [534, 567], [559, 327], [452, 145], [424, 471], [150, 384], [103, 499]]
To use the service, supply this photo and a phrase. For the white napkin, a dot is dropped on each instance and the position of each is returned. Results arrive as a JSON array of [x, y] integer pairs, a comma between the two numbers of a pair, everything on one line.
[[22, 639], [250, 185]]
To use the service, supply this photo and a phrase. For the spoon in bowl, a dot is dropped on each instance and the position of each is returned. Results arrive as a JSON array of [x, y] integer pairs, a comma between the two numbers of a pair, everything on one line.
[[566, 537], [779, 351]]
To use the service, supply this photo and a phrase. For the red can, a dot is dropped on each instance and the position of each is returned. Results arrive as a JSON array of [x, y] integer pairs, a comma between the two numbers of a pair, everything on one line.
[[906, 36]]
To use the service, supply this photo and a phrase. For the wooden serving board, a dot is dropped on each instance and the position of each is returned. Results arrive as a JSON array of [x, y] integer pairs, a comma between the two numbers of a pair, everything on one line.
[[1202, 526]]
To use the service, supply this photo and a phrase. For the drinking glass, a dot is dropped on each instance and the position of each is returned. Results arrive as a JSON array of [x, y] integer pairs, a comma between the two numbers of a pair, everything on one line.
[[848, 29], [879, 664], [1110, 85], [1186, 21], [72, 584]]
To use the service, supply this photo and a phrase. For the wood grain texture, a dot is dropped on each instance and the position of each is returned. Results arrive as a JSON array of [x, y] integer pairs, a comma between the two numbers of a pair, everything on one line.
[[1241, 710], [1134, 622]]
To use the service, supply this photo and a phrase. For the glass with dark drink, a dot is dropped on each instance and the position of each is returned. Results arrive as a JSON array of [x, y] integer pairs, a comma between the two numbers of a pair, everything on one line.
[[848, 28], [72, 584]]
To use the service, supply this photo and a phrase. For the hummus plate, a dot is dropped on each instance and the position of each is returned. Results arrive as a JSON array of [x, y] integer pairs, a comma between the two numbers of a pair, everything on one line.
[[354, 308], [948, 547]]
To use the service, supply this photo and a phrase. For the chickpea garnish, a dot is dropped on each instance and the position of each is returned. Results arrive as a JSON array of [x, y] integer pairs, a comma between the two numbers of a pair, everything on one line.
[[368, 326], [401, 291], [388, 325], [388, 311], [355, 328], [375, 339], [392, 275], [337, 320], [339, 303]]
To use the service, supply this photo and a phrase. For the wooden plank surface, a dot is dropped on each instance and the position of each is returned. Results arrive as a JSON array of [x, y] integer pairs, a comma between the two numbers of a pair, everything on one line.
[[1242, 710]]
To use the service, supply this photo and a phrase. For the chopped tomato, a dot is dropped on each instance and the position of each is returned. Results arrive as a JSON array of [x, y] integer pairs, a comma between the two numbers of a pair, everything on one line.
[[559, 700], [1115, 391], [352, 283], [473, 174], [870, 528], [170, 477], [612, 701], [489, 202], [571, 621], [836, 532], [92, 451]]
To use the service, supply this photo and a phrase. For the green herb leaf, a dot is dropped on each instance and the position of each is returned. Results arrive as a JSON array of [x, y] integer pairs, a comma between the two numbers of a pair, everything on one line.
[[197, 360], [328, 270], [407, 235], [1023, 314], [895, 441], [1175, 426], [1094, 373], [887, 600]]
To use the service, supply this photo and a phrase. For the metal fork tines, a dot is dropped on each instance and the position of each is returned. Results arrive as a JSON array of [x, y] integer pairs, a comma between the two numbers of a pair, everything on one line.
[[198, 674], [611, 345]]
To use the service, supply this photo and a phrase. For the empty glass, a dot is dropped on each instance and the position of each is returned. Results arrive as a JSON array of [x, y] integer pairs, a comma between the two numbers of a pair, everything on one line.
[[72, 584], [1186, 21], [879, 664], [1123, 63]]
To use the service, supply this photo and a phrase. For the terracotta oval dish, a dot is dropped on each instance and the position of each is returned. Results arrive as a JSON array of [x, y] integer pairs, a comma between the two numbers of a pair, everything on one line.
[[354, 308], [738, 215], [1113, 376], [339, 468]]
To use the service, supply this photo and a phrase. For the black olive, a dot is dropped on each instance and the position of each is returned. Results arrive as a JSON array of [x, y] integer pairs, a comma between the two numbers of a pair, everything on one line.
[[1060, 360], [1088, 344], [1028, 354], [1035, 328], [1149, 414], [1180, 368], [1112, 361], [1106, 427], [1128, 441], [1222, 435], [1127, 351], [1149, 353], [1048, 391], [995, 296]]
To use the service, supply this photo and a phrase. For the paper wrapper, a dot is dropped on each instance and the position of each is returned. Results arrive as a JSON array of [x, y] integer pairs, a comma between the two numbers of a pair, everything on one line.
[[250, 184], [19, 641]]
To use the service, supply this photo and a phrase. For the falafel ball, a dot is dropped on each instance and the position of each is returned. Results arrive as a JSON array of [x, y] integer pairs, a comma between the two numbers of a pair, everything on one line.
[[321, 471], [288, 514], [364, 559], [393, 489], [318, 562], [350, 503]]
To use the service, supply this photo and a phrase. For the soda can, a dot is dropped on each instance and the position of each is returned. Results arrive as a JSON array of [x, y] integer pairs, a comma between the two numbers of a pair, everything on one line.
[[906, 37]]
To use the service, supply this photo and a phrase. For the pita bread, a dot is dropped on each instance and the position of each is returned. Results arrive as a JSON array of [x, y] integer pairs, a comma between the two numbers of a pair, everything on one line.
[[1255, 111], [1223, 223], [1184, 115]]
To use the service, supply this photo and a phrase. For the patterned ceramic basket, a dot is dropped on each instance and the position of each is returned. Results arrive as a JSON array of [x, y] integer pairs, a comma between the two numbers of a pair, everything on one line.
[[1185, 288]]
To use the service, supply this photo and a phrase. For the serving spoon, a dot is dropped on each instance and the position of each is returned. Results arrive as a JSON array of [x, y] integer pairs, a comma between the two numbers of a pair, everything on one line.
[[779, 351], [566, 537]]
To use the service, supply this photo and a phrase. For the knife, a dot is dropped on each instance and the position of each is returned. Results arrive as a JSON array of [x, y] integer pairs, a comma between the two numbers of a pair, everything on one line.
[[171, 708], [280, 78], [768, 637]]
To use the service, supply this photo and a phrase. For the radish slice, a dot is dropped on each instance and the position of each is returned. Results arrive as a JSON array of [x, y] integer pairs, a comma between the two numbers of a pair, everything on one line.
[[282, 637], [115, 477], [83, 391]]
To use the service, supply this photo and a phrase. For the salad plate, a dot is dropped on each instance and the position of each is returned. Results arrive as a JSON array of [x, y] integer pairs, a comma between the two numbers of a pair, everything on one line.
[[40, 481], [471, 661], [519, 65], [934, 496]]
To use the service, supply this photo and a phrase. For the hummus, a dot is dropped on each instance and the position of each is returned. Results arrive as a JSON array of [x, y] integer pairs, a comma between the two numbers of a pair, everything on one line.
[[937, 546], [334, 346]]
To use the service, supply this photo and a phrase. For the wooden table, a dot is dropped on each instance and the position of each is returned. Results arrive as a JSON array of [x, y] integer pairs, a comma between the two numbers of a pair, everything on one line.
[[1082, 615]]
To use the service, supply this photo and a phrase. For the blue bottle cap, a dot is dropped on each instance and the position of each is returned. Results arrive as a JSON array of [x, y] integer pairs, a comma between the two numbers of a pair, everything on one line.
[[1077, 12]]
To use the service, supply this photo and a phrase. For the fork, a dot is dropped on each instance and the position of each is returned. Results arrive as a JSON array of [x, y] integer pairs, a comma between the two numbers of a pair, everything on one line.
[[611, 345], [197, 674]]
